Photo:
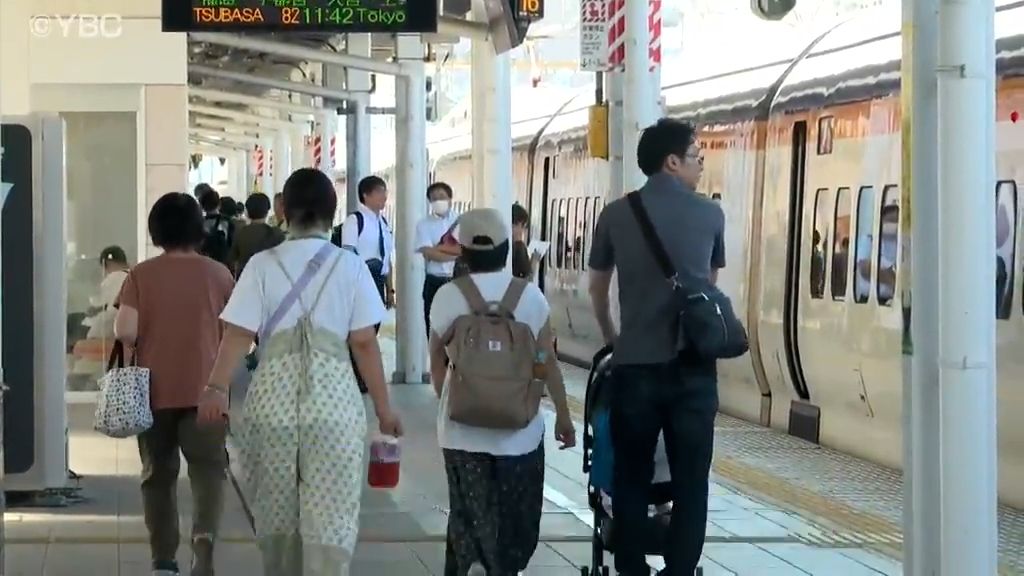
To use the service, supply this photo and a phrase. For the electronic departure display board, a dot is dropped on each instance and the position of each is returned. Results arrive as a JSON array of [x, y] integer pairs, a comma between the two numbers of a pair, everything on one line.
[[330, 16]]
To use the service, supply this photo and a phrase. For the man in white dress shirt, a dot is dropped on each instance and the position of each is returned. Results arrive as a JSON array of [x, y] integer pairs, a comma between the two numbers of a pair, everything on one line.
[[429, 233], [367, 232]]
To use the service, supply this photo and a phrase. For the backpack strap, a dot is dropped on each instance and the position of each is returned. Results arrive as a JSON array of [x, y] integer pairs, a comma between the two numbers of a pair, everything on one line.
[[513, 294], [359, 222], [327, 279], [475, 300]]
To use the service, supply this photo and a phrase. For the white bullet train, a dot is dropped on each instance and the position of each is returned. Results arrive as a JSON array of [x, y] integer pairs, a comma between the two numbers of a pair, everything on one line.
[[804, 154]]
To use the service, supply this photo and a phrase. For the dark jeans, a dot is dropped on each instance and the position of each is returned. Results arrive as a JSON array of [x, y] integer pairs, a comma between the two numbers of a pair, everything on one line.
[[175, 432], [431, 284], [682, 401], [381, 283]]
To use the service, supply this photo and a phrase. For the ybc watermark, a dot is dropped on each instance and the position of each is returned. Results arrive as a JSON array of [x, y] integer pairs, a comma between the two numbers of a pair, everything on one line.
[[87, 26]]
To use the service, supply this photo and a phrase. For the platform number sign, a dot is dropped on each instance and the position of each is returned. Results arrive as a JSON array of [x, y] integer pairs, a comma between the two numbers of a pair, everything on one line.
[[529, 10]]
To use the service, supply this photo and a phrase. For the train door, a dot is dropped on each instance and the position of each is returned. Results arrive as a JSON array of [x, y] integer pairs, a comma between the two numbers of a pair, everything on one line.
[[803, 420], [545, 232]]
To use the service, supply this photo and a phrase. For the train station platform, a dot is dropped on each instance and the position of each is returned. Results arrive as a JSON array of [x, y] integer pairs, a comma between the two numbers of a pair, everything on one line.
[[779, 506]]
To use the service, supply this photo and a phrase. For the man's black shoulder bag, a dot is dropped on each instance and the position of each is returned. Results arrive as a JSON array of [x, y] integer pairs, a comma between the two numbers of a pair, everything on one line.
[[708, 326]]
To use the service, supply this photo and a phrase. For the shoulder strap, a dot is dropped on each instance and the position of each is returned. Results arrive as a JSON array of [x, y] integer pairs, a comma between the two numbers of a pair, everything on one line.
[[293, 295], [471, 293], [359, 221], [327, 279], [513, 294], [651, 236]]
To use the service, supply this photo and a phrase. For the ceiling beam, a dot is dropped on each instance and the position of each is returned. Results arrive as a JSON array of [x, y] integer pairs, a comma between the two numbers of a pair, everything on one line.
[[255, 101], [266, 82], [260, 44]]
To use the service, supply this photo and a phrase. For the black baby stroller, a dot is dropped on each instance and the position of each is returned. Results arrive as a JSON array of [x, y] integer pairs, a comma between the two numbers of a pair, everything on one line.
[[597, 464]]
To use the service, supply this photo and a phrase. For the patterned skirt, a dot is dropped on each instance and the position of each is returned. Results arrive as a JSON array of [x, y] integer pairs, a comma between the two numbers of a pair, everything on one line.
[[496, 504]]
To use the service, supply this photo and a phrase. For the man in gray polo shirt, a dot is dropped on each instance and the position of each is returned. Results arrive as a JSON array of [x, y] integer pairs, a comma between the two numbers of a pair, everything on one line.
[[656, 388]]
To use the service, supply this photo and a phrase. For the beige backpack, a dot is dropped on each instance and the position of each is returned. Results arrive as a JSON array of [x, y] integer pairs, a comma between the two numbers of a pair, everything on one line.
[[492, 355]]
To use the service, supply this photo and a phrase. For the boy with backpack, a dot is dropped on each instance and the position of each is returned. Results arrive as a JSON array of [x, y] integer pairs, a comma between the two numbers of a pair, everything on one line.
[[218, 229]]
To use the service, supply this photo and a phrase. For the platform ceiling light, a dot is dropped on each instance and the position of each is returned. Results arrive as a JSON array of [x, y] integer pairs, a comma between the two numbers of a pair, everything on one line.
[[772, 9]]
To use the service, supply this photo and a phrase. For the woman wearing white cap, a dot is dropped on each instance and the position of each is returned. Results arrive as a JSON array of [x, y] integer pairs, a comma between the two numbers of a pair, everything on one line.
[[495, 473]]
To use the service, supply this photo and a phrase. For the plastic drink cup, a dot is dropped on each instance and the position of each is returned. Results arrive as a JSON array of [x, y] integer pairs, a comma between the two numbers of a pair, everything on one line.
[[385, 462]]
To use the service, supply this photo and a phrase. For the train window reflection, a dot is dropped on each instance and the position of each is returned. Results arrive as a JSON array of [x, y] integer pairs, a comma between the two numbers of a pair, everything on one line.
[[819, 242], [865, 244], [825, 135], [888, 244], [1006, 243], [841, 244]]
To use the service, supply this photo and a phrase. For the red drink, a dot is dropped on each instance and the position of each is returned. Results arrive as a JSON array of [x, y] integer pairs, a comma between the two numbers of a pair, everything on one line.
[[385, 463]]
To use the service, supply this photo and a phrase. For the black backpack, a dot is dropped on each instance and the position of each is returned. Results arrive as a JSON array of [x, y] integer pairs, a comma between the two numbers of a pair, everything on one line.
[[336, 232], [217, 240]]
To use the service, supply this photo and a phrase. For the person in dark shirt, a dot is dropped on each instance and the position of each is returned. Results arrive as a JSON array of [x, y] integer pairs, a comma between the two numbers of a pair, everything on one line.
[[256, 236], [522, 265]]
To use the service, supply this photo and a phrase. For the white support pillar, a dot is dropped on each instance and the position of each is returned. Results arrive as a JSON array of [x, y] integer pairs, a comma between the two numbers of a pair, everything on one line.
[[298, 150], [357, 124], [411, 168], [282, 160], [357, 148], [640, 99], [491, 80], [919, 281], [615, 79], [241, 161], [967, 375], [267, 184]]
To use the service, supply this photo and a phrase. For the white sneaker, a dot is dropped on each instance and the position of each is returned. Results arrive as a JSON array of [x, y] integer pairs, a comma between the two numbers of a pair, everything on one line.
[[476, 569], [165, 573]]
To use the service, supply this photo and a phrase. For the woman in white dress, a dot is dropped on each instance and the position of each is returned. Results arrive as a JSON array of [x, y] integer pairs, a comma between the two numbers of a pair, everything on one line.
[[303, 429]]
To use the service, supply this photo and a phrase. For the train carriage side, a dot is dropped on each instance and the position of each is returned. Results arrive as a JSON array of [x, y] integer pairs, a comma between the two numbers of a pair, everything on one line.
[[832, 307]]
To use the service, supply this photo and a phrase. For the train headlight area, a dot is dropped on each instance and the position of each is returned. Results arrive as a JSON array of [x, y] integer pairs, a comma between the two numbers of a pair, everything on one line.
[[827, 163]]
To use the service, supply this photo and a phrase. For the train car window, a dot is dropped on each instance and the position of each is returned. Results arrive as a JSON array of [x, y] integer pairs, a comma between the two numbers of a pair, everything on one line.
[[825, 135], [560, 237], [888, 244], [1006, 246], [865, 246], [819, 242], [570, 235], [841, 244], [552, 232]]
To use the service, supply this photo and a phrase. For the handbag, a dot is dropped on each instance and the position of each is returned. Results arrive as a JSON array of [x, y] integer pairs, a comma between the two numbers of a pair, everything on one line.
[[708, 328], [123, 408]]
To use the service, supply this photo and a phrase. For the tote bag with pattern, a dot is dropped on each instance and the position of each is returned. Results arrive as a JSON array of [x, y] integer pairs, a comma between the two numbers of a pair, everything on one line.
[[123, 408]]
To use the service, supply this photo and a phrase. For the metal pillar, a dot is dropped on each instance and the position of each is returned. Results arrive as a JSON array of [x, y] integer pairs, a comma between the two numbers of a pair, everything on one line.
[[411, 168], [241, 160], [267, 185], [615, 165], [491, 80], [298, 149], [357, 124], [640, 100], [357, 148], [966, 321], [922, 497], [282, 160]]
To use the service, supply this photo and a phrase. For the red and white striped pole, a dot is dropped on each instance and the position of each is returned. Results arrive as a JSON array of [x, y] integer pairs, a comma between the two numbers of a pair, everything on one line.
[[257, 155], [654, 25], [334, 152], [616, 10], [318, 150]]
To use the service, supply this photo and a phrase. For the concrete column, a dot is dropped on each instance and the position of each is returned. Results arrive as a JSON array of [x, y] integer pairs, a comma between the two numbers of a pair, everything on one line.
[[357, 148], [282, 159], [492, 129], [298, 149], [166, 153], [967, 370], [411, 168], [640, 98], [919, 277], [615, 162]]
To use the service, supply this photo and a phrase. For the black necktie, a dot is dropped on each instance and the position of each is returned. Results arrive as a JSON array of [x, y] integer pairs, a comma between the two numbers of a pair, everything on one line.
[[380, 239]]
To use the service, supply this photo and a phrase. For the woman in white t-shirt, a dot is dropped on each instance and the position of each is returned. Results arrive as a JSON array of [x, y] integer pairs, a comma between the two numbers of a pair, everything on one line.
[[304, 425], [495, 477]]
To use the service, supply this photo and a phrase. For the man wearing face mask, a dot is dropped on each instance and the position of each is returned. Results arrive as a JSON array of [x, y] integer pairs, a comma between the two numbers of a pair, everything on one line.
[[429, 233]]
